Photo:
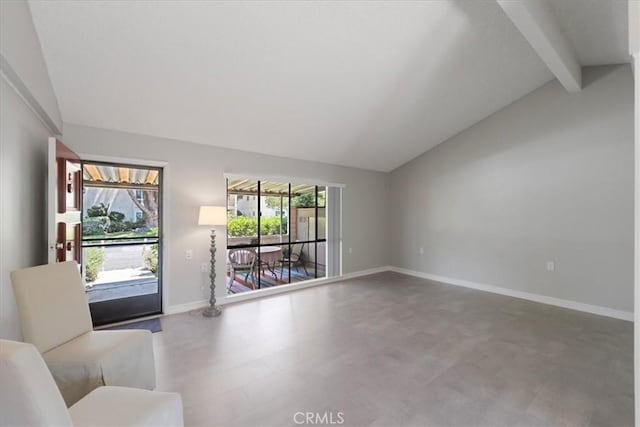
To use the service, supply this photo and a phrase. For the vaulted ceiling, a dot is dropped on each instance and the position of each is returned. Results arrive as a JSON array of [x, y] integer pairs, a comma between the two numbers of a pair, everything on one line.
[[354, 83]]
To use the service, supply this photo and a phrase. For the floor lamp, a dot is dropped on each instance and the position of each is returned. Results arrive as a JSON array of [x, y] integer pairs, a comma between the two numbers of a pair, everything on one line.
[[212, 216]]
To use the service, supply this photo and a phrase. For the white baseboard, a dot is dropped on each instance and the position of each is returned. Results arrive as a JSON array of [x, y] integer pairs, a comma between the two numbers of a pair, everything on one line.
[[260, 293], [559, 302], [182, 308], [361, 273]]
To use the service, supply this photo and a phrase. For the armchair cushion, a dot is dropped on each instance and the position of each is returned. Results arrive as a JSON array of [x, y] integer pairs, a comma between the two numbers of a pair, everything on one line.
[[30, 398], [97, 358], [120, 406]]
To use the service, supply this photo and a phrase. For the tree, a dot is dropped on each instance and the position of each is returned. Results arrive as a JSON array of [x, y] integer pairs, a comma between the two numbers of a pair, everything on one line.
[[308, 200], [149, 205], [273, 202]]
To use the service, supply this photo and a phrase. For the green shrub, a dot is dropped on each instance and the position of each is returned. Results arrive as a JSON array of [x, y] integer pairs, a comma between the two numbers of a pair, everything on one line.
[[117, 227], [150, 256], [139, 223], [117, 224], [98, 221], [116, 216], [271, 226], [243, 226], [95, 258], [92, 226], [98, 210]]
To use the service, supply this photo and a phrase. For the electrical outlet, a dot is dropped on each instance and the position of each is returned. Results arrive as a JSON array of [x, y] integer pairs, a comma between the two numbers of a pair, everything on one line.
[[421, 250], [350, 250], [204, 267], [189, 254], [551, 266]]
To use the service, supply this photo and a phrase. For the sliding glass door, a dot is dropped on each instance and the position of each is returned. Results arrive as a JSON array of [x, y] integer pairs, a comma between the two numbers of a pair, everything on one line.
[[276, 233]]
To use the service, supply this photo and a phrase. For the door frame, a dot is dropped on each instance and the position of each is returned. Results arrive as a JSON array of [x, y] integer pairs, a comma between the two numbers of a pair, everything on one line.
[[165, 291]]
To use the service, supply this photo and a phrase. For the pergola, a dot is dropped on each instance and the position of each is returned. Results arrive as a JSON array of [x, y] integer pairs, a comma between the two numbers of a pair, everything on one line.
[[120, 176], [279, 189]]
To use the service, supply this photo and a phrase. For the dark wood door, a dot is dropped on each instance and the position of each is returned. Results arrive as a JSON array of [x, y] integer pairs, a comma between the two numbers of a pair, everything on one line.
[[64, 204]]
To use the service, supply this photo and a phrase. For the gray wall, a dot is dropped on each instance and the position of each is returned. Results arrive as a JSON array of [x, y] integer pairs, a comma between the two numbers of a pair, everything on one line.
[[548, 178], [23, 167], [24, 129], [195, 177]]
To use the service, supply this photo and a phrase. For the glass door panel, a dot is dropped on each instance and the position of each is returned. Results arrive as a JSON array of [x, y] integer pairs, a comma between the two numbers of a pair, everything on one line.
[[121, 241]]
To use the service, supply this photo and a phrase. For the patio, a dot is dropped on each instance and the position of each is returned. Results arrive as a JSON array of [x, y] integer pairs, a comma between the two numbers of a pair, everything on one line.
[[267, 279], [267, 220], [123, 274]]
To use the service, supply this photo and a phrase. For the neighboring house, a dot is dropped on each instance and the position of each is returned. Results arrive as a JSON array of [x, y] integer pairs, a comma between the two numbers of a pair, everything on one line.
[[115, 199], [247, 205]]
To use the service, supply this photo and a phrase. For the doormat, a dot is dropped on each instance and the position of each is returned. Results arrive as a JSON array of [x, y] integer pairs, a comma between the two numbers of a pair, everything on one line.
[[151, 324]]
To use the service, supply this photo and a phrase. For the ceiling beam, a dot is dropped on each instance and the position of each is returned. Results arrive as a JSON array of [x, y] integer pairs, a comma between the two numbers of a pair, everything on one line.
[[539, 28]]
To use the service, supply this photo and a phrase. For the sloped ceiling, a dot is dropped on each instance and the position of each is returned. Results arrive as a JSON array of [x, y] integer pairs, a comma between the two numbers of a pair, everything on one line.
[[363, 84], [598, 29]]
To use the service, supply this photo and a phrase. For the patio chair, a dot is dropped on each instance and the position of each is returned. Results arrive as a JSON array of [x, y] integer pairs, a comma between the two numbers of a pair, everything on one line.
[[30, 398], [295, 258], [243, 261], [54, 316]]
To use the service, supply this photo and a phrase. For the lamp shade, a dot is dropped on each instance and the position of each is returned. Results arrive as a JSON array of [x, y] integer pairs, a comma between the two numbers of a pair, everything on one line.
[[212, 215]]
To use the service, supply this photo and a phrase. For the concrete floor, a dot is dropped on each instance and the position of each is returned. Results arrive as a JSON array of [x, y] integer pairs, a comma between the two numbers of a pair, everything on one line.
[[391, 350], [145, 285]]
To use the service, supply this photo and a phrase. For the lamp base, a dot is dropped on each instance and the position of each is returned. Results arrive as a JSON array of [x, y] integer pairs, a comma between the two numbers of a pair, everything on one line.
[[212, 311]]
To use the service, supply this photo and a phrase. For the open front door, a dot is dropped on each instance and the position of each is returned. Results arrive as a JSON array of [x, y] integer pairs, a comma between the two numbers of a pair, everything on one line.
[[64, 204]]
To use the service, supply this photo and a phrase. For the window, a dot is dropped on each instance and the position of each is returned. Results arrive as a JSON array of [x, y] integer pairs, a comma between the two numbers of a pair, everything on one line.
[[283, 226]]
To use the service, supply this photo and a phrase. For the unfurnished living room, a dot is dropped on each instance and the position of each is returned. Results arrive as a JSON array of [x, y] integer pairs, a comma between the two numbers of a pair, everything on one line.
[[283, 213]]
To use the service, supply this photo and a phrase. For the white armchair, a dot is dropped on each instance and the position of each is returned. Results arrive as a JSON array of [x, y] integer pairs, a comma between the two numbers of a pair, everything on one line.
[[54, 316], [30, 398]]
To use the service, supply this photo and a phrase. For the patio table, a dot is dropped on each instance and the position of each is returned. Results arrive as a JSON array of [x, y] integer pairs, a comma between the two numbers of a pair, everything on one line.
[[269, 257]]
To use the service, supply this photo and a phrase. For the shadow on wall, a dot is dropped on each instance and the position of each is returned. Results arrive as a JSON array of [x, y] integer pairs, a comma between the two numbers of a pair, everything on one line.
[[431, 97], [549, 178], [591, 75], [532, 119]]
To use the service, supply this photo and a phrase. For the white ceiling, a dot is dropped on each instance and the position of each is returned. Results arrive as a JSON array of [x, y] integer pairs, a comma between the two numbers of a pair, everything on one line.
[[354, 83]]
